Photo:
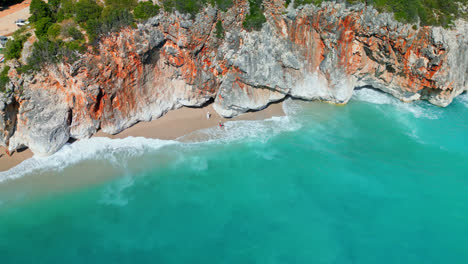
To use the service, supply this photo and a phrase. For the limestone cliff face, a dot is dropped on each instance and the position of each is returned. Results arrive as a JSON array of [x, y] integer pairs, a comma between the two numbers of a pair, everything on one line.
[[312, 53]]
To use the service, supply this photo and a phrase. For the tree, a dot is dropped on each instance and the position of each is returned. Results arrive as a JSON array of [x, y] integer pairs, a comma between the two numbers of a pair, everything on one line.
[[122, 4], [86, 10], [14, 47], [67, 10], [221, 4], [255, 19], [75, 33], [92, 29], [54, 31], [44, 51], [42, 26], [39, 9], [4, 79], [145, 10], [114, 19], [219, 30], [54, 5]]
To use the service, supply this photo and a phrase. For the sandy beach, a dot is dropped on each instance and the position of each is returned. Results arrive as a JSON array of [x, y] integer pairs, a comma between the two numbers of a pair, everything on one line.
[[172, 125]]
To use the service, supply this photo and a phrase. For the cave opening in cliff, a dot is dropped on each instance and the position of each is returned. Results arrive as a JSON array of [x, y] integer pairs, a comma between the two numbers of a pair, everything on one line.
[[205, 104], [99, 99]]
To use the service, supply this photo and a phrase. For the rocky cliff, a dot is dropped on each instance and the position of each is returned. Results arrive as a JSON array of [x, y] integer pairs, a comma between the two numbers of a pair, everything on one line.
[[172, 60]]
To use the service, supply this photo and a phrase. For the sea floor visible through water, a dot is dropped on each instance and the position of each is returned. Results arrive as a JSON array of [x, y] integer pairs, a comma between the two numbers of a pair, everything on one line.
[[373, 181]]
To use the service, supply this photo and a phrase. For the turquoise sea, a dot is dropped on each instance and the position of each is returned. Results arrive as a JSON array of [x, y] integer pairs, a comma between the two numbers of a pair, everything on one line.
[[374, 181]]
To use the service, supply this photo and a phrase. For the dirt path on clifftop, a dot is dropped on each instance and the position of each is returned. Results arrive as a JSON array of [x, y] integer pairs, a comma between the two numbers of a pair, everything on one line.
[[11, 14]]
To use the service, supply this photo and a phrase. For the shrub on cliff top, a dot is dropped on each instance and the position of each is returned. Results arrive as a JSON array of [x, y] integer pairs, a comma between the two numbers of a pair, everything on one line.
[[66, 10], [13, 49], [121, 4], [305, 2], [193, 7], [184, 6], [44, 51], [255, 19], [219, 29], [75, 33], [39, 9], [42, 26], [114, 19], [86, 10], [145, 10], [427, 12], [15, 46], [54, 31], [221, 4], [4, 79]]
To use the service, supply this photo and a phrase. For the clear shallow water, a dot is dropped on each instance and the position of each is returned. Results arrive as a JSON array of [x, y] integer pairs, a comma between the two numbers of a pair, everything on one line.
[[375, 181]]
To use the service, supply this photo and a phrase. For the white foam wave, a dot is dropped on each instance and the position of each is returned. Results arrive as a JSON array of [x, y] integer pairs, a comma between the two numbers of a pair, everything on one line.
[[259, 130], [114, 150], [114, 193], [417, 109], [463, 98], [372, 96], [292, 108], [117, 151]]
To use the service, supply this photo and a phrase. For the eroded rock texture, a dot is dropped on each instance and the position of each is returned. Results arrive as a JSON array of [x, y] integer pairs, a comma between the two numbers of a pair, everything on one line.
[[312, 53]]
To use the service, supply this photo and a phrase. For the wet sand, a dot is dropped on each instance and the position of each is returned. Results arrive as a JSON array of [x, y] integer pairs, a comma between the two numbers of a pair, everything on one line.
[[172, 125], [185, 120], [7, 162]]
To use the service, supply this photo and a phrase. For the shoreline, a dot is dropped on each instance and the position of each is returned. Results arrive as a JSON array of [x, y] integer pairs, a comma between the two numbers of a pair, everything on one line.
[[171, 126]]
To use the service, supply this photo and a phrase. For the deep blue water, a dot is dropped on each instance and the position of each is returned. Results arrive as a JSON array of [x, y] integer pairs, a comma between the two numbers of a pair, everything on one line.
[[375, 181]]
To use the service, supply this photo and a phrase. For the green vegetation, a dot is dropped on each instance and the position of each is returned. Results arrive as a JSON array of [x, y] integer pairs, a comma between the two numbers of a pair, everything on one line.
[[15, 46], [39, 9], [305, 2], [121, 4], [74, 33], [114, 19], [145, 10], [184, 6], [66, 11], [193, 7], [224, 5], [42, 26], [255, 19], [428, 12], [219, 29], [44, 51], [13, 49], [61, 25], [4, 79], [86, 10], [54, 31]]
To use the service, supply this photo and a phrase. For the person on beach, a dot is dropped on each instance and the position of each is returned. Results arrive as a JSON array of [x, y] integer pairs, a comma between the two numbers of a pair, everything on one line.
[[208, 115], [221, 125]]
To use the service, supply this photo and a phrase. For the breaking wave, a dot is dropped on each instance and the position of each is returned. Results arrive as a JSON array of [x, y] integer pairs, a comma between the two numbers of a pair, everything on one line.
[[113, 150], [118, 151], [418, 109], [114, 194], [463, 98]]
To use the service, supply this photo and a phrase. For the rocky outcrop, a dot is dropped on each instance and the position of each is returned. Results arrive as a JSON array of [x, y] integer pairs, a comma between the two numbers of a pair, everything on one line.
[[312, 53]]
